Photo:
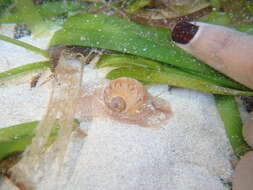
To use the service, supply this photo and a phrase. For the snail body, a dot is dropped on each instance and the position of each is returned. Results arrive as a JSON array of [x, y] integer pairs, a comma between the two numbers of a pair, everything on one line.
[[127, 100]]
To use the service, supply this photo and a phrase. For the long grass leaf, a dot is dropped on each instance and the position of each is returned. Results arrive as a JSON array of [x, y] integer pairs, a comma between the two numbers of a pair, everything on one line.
[[23, 69], [174, 78], [16, 138], [24, 45], [153, 72], [108, 32], [230, 116]]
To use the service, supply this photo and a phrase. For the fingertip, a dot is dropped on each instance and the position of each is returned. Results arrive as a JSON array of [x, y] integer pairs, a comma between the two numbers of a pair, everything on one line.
[[248, 130], [184, 32], [243, 175], [225, 49]]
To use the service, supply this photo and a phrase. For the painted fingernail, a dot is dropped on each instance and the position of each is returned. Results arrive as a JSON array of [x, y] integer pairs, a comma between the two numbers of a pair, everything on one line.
[[183, 32]]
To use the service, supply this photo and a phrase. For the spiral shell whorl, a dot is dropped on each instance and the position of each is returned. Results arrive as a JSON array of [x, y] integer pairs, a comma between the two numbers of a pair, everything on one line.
[[125, 95]]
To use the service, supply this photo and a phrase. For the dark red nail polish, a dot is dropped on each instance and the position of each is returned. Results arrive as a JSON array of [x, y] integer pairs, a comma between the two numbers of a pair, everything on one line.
[[183, 32]]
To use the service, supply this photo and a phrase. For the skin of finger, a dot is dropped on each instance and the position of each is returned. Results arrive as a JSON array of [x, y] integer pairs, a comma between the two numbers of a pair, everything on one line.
[[248, 130], [224, 49], [243, 175]]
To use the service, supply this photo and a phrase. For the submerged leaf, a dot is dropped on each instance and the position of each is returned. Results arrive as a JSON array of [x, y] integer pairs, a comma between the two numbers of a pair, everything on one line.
[[24, 45], [215, 3], [16, 138], [240, 11], [219, 18], [34, 16], [152, 72], [112, 33], [59, 8], [248, 28], [230, 115], [132, 6], [27, 13], [23, 69]]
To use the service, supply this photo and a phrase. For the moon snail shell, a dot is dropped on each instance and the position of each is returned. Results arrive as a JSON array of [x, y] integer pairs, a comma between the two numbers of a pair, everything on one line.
[[127, 100]]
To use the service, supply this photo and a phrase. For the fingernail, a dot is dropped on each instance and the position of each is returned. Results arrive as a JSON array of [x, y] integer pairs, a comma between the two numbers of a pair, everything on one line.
[[183, 32]]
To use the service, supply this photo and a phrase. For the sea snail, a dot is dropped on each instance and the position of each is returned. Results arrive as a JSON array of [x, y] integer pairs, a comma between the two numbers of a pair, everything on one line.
[[126, 96], [127, 100]]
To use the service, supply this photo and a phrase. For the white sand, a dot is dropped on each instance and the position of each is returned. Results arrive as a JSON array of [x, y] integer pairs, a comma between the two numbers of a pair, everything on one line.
[[190, 153], [19, 103]]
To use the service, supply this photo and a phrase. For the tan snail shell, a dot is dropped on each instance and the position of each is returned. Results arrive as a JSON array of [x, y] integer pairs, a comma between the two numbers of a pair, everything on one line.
[[125, 95], [127, 100]]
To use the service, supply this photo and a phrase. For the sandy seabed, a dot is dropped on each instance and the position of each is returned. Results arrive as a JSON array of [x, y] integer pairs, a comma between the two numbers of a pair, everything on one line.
[[190, 152]]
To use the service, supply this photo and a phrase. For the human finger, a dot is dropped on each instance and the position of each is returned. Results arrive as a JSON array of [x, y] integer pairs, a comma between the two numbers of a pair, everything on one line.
[[224, 49]]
